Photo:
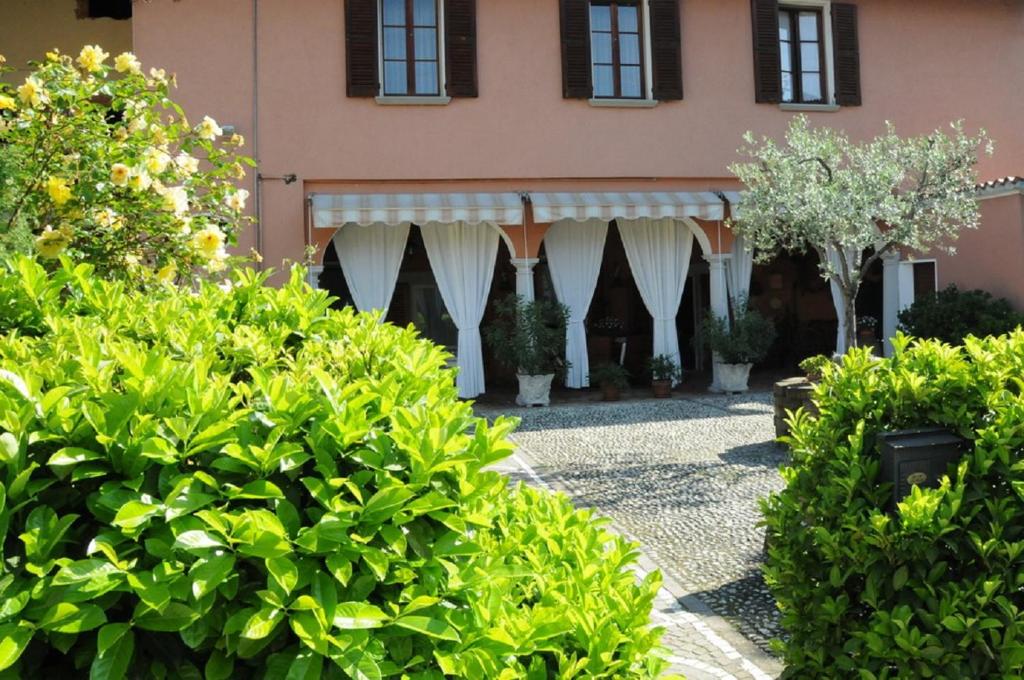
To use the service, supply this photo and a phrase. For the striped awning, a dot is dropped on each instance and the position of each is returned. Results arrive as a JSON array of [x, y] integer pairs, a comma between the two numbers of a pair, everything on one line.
[[734, 198], [331, 211], [552, 207]]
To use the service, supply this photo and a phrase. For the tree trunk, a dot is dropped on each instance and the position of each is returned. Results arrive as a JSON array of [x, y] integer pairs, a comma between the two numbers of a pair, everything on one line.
[[850, 328]]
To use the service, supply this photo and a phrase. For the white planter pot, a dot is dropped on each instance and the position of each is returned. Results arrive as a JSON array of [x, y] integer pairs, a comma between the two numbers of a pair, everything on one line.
[[534, 390], [733, 377]]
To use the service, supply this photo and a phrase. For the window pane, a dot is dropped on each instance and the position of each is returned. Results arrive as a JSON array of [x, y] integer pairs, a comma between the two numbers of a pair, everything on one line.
[[627, 19], [394, 43], [394, 78], [604, 81], [787, 87], [784, 31], [786, 53], [808, 25], [426, 43], [600, 18], [812, 87], [630, 81], [423, 12], [601, 48], [426, 77], [629, 49], [809, 53], [394, 12]]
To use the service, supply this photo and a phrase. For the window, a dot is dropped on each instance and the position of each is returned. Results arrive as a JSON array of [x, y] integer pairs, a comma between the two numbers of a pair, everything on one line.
[[802, 54], [616, 47], [104, 9], [410, 48]]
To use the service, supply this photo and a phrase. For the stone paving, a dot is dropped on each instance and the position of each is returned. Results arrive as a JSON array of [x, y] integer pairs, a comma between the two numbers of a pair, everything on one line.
[[682, 477]]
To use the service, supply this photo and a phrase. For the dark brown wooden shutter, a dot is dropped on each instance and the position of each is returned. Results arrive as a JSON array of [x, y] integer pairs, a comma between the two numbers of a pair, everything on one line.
[[460, 47], [666, 50], [847, 54], [361, 48], [767, 61], [576, 76]]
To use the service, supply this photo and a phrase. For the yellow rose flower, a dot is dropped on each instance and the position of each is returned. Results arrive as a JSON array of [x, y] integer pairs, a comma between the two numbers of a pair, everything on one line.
[[136, 124], [237, 140], [91, 58], [185, 224], [209, 242], [159, 134], [6, 102], [176, 200], [106, 217], [139, 180], [131, 259], [3, 60], [187, 164], [32, 92], [52, 243], [58, 189], [209, 130], [236, 200], [119, 174], [126, 62], [167, 273], [158, 75], [237, 170], [156, 161]]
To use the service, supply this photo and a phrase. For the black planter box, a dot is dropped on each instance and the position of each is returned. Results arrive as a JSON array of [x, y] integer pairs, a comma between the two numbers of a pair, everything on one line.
[[917, 458]]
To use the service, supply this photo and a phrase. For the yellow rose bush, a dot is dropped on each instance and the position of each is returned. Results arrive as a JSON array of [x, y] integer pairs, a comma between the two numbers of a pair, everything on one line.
[[99, 164]]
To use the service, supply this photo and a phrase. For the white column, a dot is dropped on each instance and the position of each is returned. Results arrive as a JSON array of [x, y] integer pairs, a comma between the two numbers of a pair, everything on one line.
[[524, 276], [719, 302], [890, 299]]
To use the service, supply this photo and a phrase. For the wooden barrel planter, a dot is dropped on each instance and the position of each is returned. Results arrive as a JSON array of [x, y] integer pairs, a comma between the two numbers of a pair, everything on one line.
[[789, 395]]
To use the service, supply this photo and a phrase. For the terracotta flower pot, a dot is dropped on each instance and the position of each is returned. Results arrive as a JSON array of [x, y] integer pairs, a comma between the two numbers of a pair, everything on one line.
[[610, 393], [662, 388]]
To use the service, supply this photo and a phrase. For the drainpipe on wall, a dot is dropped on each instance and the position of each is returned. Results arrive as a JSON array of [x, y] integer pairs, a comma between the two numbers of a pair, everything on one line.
[[257, 189]]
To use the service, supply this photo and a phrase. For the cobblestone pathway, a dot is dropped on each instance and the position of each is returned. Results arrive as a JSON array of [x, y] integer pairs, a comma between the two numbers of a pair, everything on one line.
[[682, 477]]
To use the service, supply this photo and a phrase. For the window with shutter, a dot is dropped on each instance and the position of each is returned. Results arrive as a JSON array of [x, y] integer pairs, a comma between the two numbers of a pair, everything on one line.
[[621, 50], [806, 52], [410, 50], [460, 48], [361, 54]]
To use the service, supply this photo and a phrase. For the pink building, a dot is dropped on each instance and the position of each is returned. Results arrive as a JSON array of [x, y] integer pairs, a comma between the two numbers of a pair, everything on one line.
[[440, 153]]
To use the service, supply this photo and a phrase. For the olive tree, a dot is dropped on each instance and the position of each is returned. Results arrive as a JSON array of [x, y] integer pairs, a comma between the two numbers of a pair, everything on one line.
[[819, 190]]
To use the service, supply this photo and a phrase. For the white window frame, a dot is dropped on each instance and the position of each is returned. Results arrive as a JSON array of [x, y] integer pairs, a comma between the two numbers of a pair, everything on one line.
[[648, 98], [442, 67], [830, 75], [908, 295]]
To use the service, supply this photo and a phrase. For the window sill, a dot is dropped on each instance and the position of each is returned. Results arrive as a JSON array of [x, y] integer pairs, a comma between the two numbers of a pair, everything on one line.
[[413, 101], [623, 103], [821, 108]]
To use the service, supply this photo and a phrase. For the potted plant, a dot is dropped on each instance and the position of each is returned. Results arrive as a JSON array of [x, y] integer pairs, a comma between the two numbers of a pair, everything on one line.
[[529, 337], [867, 331], [738, 346], [612, 379], [814, 367], [664, 372]]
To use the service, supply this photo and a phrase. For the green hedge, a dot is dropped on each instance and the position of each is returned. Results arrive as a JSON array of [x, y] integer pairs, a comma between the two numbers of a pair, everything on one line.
[[953, 314], [935, 589], [244, 483]]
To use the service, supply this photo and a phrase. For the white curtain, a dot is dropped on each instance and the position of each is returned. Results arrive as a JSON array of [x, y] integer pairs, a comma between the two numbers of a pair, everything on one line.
[[853, 261], [370, 259], [462, 257], [738, 269], [574, 251], [658, 251]]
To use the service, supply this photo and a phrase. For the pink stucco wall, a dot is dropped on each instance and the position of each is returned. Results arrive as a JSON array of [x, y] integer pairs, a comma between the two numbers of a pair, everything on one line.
[[924, 63], [991, 258]]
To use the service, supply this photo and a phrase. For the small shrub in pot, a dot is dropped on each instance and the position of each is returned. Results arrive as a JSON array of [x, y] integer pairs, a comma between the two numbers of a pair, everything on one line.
[[664, 373], [738, 345], [611, 378], [528, 336]]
